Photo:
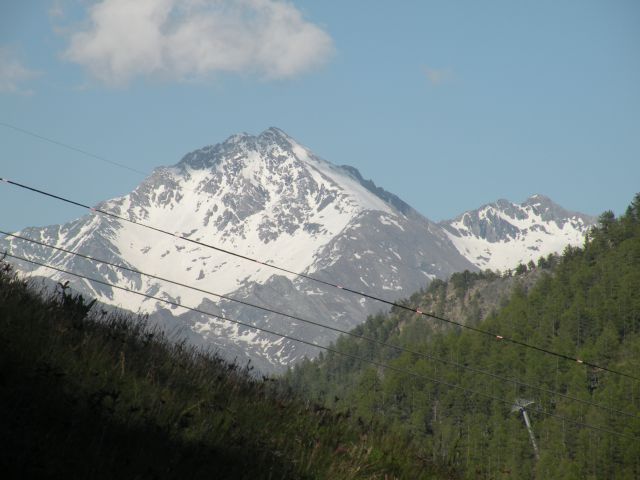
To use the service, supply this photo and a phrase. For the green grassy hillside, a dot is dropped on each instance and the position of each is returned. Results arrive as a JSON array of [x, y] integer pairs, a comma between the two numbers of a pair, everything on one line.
[[586, 306], [85, 394]]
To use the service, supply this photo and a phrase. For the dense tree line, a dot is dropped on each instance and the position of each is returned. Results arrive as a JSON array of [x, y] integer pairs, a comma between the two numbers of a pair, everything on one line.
[[586, 304]]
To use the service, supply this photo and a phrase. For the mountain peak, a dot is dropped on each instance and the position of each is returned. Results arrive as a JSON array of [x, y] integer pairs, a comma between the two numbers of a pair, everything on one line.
[[273, 136], [551, 211], [538, 196], [238, 137], [272, 149], [235, 145], [269, 135], [275, 132], [502, 234], [538, 199]]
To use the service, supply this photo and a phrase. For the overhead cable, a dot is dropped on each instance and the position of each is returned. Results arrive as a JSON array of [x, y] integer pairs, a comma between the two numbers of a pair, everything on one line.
[[494, 335], [71, 147]]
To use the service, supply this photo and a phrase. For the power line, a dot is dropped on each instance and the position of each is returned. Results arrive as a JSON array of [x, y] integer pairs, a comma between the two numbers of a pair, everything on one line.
[[329, 349], [71, 147], [394, 304], [328, 327], [496, 336]]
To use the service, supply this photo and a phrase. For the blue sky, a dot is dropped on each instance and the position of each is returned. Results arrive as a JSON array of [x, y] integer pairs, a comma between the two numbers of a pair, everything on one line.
[[447, 104]]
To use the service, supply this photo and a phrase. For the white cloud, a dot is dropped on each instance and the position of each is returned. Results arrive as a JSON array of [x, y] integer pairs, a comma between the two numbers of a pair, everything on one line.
[[13, 74], [438, 76], [193, 39]]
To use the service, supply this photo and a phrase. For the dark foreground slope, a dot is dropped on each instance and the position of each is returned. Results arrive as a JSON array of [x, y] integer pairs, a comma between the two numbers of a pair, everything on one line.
[[88, 395], [586, 306]]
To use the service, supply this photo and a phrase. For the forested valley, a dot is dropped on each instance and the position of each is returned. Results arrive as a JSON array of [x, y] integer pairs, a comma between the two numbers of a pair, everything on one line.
[[451, 391]]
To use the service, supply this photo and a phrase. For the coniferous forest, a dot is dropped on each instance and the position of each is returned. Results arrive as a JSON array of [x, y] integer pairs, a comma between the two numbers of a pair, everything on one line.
[[584, 303]]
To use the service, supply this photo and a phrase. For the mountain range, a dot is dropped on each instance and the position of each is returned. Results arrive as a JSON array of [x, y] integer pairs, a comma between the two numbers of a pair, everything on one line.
[[270, 198]]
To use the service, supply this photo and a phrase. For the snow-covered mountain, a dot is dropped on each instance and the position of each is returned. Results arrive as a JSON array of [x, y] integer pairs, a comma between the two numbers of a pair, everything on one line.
[[265, 197], [269, 198], [502, 234]]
